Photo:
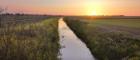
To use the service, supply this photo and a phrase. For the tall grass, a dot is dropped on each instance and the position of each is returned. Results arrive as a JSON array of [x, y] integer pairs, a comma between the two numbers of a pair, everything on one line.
[[106, 45], [31, 41]]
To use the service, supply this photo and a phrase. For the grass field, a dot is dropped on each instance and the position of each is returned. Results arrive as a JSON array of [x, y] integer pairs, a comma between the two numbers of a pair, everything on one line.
[[30, 41], [109, 39], [131, 23]]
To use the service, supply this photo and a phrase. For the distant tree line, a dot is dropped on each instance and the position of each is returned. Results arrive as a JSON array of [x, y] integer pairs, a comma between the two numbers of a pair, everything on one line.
[[1, 10]]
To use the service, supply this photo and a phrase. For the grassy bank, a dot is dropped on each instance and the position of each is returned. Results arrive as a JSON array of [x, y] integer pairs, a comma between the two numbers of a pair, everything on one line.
[[30, 41], [105, 42]]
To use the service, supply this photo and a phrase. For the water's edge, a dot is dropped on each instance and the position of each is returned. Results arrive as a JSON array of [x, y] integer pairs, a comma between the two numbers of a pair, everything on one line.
[[72, 47]]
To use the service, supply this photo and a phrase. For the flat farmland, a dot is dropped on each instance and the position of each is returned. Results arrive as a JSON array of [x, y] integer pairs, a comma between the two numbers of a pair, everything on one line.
[[131, 26], [109, 39]]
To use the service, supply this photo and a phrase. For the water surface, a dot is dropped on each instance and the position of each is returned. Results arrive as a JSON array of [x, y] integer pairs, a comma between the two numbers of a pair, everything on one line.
[[72, 47]]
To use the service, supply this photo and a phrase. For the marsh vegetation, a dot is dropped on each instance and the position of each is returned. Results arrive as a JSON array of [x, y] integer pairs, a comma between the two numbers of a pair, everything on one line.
[[28, 37]]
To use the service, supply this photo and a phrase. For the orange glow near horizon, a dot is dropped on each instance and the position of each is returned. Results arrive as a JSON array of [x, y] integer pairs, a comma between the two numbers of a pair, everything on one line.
[[78, 7], [87, 10]]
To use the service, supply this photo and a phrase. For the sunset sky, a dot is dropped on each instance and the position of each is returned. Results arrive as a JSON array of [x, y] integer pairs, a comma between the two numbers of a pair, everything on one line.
[[73, 7]]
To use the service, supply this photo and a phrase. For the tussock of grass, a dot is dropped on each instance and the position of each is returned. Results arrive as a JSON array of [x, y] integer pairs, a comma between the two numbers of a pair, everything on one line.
[[32, 41], [106, 45]]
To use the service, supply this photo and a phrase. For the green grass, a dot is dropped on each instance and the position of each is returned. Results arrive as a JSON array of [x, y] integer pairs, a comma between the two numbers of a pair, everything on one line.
[[133, 23], [106, 45], [31, 41]]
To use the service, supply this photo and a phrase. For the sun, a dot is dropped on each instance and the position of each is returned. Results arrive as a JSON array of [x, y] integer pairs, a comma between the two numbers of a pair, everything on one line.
[[93, 9], [93, 13]]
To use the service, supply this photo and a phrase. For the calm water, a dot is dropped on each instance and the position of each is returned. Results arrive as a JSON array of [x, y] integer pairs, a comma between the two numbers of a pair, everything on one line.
[[72, 47]]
